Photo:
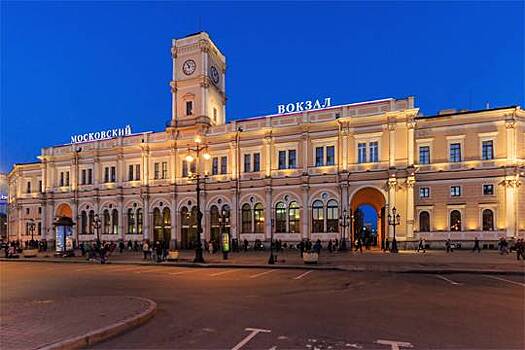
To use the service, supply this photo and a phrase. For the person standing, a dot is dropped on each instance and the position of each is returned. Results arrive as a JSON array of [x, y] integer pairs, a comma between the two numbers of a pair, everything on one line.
[[476, 245], [145, 248], [421, 245], [330, 247]]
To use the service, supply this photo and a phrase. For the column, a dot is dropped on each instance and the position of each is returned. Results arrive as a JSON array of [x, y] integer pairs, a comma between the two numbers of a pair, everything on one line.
[[391, 142], [146, 217], [306, 149], [305, 215], [173, 160], [511, 212], [268, 155], [96, 171], [344, 151], [122, 216], [391, 184], [174, 229], [411, 124], [268, 213], [233, 160], [410, 207], [510, 126]]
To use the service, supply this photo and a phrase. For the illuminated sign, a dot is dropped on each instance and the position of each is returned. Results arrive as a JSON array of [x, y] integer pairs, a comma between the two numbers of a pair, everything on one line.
[[101, 135], [303, 106], [225, 242]]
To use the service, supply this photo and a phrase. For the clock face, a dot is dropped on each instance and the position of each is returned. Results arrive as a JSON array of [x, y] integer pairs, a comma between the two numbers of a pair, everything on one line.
[[188, 67], [214, 75]]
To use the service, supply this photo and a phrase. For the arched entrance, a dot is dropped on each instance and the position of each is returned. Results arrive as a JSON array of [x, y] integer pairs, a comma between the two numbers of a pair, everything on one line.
[[162, 224], [188, 234], [368, 212]]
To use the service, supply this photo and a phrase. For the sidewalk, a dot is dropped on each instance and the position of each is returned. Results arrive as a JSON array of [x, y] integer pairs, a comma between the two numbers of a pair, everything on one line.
[[70, 322], [406, 261]]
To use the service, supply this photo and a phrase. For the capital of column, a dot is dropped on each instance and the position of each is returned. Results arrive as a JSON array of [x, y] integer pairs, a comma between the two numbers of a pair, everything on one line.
[[511, 123], [391, 183], [204, 45], [411, 181], [411, 123], [512, 183]]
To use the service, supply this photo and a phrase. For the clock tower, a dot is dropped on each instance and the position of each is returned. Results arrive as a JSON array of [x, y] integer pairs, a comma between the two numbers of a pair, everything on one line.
[[198, 84]]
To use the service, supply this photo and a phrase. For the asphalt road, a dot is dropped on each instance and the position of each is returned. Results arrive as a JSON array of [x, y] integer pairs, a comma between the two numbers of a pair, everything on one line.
[[206, 308]]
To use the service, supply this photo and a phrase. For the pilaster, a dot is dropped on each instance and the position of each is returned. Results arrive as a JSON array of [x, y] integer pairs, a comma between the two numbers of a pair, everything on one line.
[[411, 180]]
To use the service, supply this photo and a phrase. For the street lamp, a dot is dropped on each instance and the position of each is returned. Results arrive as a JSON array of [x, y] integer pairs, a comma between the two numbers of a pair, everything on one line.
[[225, 236], [96, 226], [198, 149], [344, 222], [31, 228], [394, 220]]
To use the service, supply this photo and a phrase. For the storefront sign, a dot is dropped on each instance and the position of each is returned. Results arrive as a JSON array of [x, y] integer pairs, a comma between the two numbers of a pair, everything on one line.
[[225, 242], [101, 135], [303, 106]]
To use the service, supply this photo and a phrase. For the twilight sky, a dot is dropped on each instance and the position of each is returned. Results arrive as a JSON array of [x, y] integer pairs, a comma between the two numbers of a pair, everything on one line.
[[70, 68]]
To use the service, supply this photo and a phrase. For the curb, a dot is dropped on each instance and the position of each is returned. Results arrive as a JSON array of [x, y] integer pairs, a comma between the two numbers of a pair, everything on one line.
[[430, 270], [105, 333]]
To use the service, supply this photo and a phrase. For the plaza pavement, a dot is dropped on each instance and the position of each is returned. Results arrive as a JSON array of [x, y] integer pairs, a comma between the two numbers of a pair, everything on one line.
[[409, 261], [55, 323]]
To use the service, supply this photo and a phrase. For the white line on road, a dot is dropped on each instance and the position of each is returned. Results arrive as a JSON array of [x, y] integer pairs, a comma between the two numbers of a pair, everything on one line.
[[121, 269], [303, 274], [222, 272], [394, 344], [506, 280], [261, 273], [448, 280], [254, 332]]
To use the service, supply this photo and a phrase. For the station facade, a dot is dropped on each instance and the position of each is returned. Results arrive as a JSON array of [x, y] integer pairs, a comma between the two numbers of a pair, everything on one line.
[[292, 175]]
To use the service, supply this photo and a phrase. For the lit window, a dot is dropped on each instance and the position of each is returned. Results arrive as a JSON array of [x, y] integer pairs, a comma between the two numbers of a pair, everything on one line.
[[156, 171], [424, 192], [164, 170], [487, 150], [424, 155], [215, 166], [455, 191], [488, 190], [330, 155], [189, 107]]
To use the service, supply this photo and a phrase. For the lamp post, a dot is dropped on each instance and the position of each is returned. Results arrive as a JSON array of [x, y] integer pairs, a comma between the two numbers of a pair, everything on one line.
[[31, 228], [223, 221], [96, 226], [271, 260], [344, 222], [198, 149], [394, 220]]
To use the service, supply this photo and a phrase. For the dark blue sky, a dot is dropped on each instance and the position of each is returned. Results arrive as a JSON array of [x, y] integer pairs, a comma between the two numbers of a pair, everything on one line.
[[68, 68]]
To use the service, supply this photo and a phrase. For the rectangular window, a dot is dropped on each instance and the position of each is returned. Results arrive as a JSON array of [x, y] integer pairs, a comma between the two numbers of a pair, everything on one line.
[[137, 171], [488, 190], [224, 165], [83, 177], [330, 155], [282, 160], [361, 152], [40, 186], [113, 174], [247, 163], [61, 178], [292, 159], [256, 162], [130, 173], [67, 178], [106, 174], [156, 171], [374, 151], [424, 155], [424, 192], [39, 210], [28, 189], [184, 168], [90, 176], [455, 191], [455, 152], [164, 170], [189, 107], [319, 156], [215, 166], [487, 150]]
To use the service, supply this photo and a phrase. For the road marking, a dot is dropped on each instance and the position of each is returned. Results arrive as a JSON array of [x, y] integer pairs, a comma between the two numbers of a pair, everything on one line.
[[222, 272], [123, 269], [506, 280], [448, 280], [303, 274], [254, 332], [261, 273], [394, 344], [181, 272], [147, 270]]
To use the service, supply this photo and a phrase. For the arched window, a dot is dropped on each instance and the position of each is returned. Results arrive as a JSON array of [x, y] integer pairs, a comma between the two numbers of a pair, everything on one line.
[[455, 220], [318, 216], [131, 222], [139, 221], [214, 218], [83, 222], [91, 221], [106, 225], [280, 217], [258, 217], [332, 216], [246, 218], [184, 217], [294, 218], [166, 222], [488, 220], [157, 223], [424, 221], [114, 221]]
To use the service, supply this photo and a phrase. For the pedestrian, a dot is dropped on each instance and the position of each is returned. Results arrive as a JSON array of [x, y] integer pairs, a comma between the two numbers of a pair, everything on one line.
[[145, 248], [386, 246], [358, 245], [130, 245], [520, 249], [121, 247], [421, 245], [330, 247], [476, 245], [317, 246], [448, 246]]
